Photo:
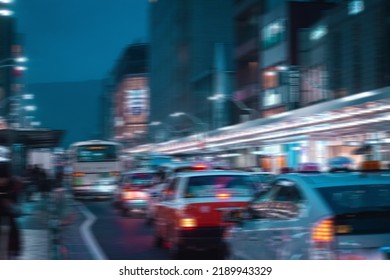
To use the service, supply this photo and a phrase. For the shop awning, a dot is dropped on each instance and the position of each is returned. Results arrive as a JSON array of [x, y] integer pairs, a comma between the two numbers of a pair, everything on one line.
[[31, 138]]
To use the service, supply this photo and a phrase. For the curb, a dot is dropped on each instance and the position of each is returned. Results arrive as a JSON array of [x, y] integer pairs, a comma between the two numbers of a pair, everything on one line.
[[57, 213]]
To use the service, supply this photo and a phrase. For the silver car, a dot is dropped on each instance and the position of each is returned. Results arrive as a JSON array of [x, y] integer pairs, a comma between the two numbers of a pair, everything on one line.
[[344, 215]]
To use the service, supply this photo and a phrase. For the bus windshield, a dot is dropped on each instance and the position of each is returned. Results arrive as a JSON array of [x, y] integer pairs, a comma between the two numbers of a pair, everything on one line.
[[94, 153]]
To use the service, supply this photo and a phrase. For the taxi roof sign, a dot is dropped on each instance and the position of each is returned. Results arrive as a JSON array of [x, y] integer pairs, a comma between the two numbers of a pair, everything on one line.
[[370, 165]]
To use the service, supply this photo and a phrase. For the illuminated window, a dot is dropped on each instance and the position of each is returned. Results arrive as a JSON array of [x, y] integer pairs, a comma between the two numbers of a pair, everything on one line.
[[355, 7], [270, 79], [273, 33], [318, 32]]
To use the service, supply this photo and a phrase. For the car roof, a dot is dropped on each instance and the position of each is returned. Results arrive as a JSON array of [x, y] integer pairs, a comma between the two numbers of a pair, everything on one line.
[[338, 179], [212, 172], [139, 171], [262, 173]]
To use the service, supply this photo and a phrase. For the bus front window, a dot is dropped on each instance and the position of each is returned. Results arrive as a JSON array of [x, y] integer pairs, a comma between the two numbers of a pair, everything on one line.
[[96, 153]]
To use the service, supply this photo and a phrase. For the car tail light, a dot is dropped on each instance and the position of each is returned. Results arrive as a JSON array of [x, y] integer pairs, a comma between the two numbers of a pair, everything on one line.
[[128, 195], [185, 219], [187, 223], [199, 167], [223, 195], [322, 240], [78, 174], [323, 231], [115, 173]]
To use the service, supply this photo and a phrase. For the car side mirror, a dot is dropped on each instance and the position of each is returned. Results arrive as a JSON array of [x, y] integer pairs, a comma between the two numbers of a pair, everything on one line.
[[155, 195], [234, 216]]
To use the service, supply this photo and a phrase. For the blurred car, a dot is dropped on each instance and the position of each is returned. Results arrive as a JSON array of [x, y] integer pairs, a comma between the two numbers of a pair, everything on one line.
[[309, 167], [103, 187], [133, 191], [189, 215], [341, 215], [263, 179]]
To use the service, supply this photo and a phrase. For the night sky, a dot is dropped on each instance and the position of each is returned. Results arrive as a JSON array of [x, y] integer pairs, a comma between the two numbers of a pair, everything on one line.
[[76, 40], [71, 46]]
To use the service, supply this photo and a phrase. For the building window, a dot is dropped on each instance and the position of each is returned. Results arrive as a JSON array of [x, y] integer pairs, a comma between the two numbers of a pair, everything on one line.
[[273, 33], [314, 85], [136, 102], [355, 7], [318, 32], [270, 79]]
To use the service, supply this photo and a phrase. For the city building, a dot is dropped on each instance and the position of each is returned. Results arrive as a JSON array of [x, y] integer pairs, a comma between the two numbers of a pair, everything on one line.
[[127, 97], [279, 62], [191, 61], [323, 86], [344, 55], [8, 51], [246, 58]]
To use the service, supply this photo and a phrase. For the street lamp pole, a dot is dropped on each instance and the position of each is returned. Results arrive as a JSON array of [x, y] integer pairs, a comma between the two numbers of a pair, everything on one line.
[[155, 134], [204, 126], [194, 119], [253, 113]]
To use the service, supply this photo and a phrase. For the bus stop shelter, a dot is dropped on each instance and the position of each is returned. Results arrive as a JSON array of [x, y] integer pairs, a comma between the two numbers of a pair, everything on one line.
[[19, 141], [31, 138]]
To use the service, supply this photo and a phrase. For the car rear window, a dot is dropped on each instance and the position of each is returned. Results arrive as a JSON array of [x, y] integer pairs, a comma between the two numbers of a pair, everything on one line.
[[357, 198], [213, 185], [264, 178], [140, 178]]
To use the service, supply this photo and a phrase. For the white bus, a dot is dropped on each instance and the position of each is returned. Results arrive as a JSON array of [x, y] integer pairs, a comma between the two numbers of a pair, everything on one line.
[[96, 166]]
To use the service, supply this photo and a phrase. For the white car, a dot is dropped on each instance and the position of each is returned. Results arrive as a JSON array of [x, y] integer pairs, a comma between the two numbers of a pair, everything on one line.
[[341, 215], [133, 192]]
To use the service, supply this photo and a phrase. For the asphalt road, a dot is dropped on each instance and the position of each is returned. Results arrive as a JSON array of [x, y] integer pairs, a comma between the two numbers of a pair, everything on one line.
[[128, 238]]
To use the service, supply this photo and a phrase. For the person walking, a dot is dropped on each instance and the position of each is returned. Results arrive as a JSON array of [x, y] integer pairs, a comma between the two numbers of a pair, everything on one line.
[[10, 188], [43, 183], [28, 181]]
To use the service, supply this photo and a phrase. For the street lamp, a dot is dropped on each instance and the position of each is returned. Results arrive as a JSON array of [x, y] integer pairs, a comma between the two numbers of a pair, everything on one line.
[[6, 12], [19, 59], [252, 112], [194, 119], [15, 62]]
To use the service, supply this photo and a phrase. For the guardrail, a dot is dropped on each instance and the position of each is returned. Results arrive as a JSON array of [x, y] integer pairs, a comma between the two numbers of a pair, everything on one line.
[[57, 205]]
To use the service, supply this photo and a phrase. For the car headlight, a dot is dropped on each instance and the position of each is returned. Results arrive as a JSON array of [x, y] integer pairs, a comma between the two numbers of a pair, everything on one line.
[[107, 187]]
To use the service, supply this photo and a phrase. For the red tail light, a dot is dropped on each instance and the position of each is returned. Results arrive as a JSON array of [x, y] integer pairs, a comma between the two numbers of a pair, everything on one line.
[[223, 195], [78, 174], [115, 173], [322, 238], [184, 218], [323, 231], [199, 167], [128, 195], [187, 223]]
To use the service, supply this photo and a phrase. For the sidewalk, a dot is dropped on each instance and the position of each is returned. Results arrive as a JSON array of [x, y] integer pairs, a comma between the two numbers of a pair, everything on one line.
[[50, 228], [35, 234]]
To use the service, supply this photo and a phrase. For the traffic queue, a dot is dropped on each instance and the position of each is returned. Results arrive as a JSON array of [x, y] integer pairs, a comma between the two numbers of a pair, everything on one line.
[[307, 214]]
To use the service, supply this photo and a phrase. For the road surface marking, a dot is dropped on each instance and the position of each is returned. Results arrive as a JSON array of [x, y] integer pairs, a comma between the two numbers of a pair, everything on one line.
[[87, 235]]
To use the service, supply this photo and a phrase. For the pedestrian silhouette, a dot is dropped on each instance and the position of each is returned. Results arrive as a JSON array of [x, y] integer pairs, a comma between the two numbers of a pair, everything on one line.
[[10, 188]]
